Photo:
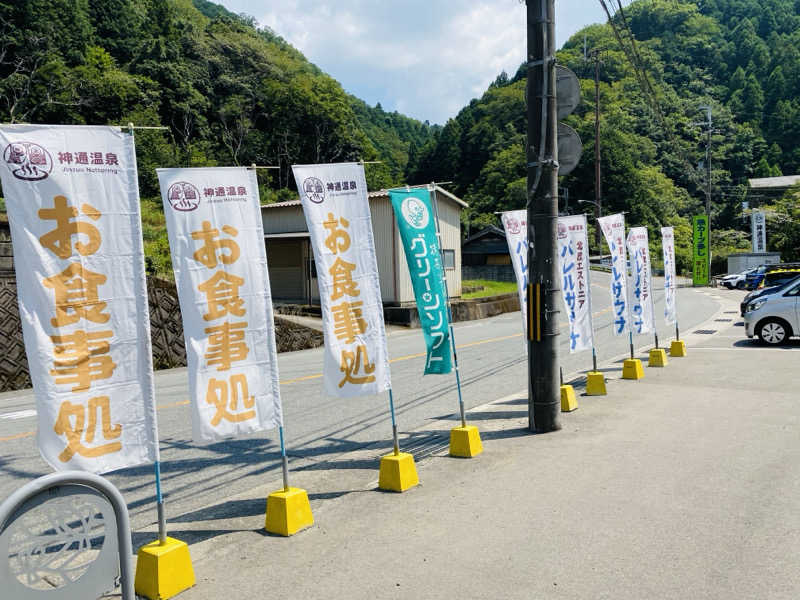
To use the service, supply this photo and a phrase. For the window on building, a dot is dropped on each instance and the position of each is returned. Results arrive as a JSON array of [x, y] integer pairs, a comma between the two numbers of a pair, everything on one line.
[[449, 257]]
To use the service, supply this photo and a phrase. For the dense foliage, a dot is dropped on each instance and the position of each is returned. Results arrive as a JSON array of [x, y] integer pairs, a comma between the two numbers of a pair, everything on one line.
[[232, 93], [228, 91], [740, 57]]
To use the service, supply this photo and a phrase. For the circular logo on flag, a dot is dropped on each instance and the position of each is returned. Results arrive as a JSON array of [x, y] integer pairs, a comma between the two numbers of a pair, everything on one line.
[[513, 226], [28, 161], [562, 231], [314, 190], [183, 196], [415, 213]]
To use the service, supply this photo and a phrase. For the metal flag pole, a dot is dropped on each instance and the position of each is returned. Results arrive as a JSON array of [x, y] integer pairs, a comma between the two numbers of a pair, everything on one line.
[[162, 520], [449, 309], [395, 441], [284, 461]]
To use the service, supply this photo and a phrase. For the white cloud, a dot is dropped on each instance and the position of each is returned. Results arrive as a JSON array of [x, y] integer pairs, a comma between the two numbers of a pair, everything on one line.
[[423, 58]]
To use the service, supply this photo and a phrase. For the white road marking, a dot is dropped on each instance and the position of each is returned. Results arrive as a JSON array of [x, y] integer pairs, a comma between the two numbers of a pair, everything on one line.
[[20, 414]]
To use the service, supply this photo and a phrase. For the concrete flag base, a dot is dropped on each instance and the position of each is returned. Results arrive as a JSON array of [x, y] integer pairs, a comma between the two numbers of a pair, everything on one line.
[[595, 384], [465, 442], [658, 358], [288, 511], [568, 400], [163, 570], [398, 472], [677, 348], [632, 369]]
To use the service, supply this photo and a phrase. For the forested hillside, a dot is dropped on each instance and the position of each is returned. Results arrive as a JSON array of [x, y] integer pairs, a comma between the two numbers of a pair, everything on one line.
[[741, 57], [230, 93]]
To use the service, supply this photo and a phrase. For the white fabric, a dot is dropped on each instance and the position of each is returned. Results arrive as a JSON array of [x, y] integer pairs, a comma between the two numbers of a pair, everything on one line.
[[356, 356], [90, 359], [613, 227], [640, 288], [758, 231], [515, 223], [573, 263], [218, 255], [670, 284]]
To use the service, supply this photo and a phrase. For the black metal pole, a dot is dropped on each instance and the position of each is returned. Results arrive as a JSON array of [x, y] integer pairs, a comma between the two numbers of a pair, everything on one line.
[[597, 189], [543, 373]]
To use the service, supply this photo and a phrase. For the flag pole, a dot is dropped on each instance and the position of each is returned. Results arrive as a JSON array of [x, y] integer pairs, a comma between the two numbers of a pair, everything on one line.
[[162, 520], [449, 307]]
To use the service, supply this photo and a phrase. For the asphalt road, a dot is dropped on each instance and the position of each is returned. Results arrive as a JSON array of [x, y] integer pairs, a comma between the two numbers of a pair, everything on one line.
[[492, 361]]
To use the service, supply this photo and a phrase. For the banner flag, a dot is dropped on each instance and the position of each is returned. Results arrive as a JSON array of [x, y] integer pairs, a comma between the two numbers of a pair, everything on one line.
[[336, 208], [613, 227], [640, 288], [700, 254], [758, 230], [217, 242], [417, 226], [670, 283], [515, 222], [573, 262], [73, 204]]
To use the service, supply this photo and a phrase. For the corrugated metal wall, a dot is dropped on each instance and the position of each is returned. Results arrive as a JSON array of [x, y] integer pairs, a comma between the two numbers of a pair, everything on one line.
[[382, 230]]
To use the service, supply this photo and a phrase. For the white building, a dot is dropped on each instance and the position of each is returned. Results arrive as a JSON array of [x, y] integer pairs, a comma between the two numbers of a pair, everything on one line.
[[292, 273]]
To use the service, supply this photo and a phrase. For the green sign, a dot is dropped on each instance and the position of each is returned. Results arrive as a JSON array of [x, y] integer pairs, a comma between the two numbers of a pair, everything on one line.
[[701, 253], [417, 226]]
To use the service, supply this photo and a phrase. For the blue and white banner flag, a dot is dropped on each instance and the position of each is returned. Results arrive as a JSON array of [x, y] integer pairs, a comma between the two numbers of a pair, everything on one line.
[[613, 227], [670, 283], [643, 319], [515, 223], [417, 226], [573, 262]]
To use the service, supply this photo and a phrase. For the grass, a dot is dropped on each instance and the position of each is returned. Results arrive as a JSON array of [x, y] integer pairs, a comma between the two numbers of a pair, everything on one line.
[[490, 288]]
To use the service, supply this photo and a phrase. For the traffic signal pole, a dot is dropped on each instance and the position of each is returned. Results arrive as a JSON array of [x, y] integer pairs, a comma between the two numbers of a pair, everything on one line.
[[542, 205]]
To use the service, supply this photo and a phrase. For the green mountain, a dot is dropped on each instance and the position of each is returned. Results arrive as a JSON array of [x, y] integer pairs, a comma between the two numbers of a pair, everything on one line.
[[740, 57], [229, 92]]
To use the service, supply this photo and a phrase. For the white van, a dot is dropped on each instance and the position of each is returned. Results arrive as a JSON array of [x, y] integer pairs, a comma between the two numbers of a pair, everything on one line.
[[776, 317]]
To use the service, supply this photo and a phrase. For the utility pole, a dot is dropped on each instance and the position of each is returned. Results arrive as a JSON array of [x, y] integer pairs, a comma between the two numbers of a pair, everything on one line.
[[542, 161], [709, 131], [598, 239]]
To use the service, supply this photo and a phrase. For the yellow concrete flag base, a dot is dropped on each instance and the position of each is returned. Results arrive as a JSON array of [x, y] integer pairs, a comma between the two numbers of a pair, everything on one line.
[[465, 442], [595, 384], [163, 570], [568, 400], [398, 472], [288, 511], [658, 358], [677, 349], [632, 369]]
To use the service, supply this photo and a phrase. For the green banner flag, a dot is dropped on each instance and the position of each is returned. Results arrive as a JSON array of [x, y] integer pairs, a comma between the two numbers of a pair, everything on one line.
[[701, 258], [417, 225]]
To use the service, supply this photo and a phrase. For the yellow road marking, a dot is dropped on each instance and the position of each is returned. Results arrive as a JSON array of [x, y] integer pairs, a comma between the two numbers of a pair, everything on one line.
[[17, 436]]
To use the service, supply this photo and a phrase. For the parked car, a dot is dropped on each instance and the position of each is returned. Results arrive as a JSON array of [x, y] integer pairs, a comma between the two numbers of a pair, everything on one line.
[[735, 280], [779, 277], [761, 292], [774, 317], [754, 279]]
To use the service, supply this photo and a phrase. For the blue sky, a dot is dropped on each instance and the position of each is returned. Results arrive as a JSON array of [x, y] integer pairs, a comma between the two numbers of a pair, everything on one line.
[[423, 58]]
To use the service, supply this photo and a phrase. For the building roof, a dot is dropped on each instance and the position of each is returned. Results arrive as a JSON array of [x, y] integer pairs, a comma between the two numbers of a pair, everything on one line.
[[377, 194], [774, 182], [490, 230]]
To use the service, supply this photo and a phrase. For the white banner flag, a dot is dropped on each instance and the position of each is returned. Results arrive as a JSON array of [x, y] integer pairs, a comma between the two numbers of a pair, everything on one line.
[[613, 227], [337, 213], [73, 204], [640, 288], [670, 283], [218, 254], [515, 222], [573, 262], [758, 230]]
